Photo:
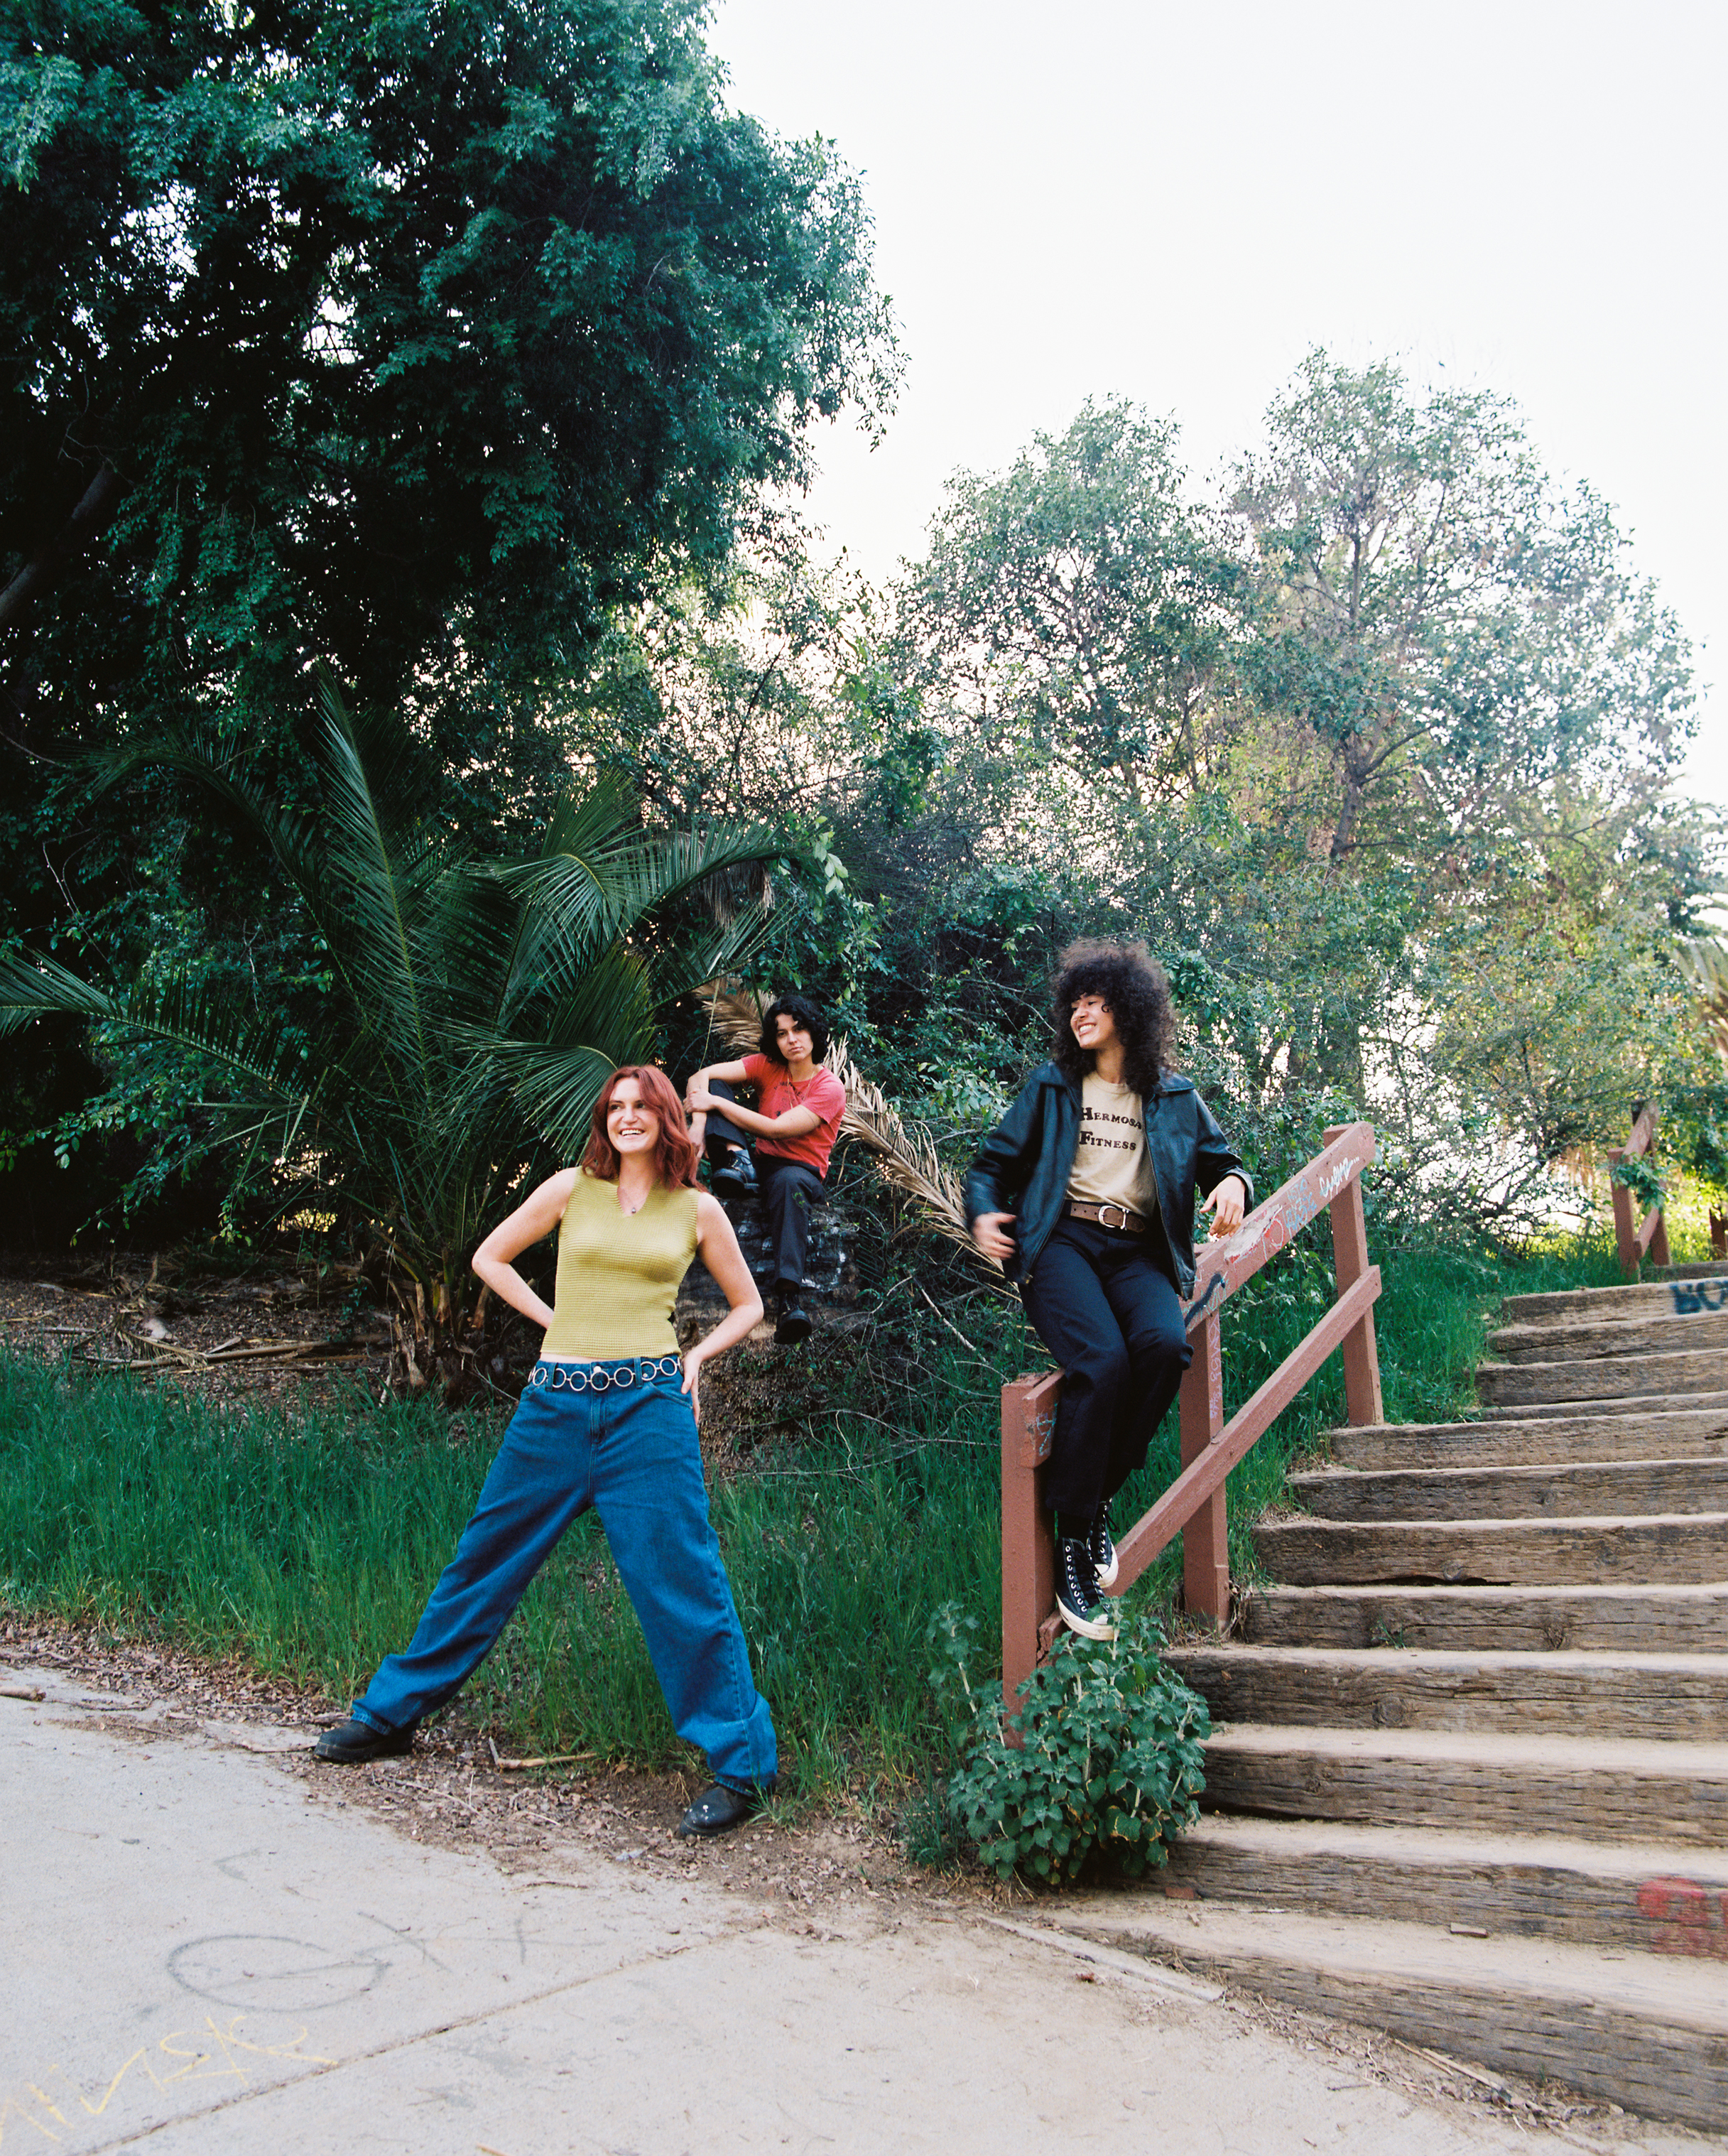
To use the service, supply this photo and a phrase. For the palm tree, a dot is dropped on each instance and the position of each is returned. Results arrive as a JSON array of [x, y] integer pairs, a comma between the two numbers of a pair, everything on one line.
[[474, 1008]]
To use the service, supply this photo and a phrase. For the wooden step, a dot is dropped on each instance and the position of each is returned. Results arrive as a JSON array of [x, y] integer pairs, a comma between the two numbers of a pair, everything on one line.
[[1706, 1287], [1659, 1897], [1567, 1691], [1662, 1335], [1629, 1404], [1685, 1549], [1570, 1490], [1672, 1621], [1681, 1434], [1509, 1384], [1594, 1789], [1646, 2032]]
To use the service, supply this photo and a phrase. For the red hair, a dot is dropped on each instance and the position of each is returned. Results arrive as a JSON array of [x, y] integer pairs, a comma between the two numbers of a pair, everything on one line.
[[675, 1155]]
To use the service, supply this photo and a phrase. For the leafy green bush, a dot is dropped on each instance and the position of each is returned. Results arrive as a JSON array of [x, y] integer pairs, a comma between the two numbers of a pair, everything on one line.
[[1108, 1762]]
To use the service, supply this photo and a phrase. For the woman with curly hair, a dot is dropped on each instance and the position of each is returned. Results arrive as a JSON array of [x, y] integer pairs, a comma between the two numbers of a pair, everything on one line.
[[1085, 1193], [608, 1419]]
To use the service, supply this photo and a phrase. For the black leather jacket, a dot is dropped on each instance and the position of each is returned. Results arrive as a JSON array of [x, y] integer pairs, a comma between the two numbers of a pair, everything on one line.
[[1023, 1166]]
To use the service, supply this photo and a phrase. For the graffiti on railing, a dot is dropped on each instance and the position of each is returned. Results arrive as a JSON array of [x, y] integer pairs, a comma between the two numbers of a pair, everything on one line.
[[1266, 1231]]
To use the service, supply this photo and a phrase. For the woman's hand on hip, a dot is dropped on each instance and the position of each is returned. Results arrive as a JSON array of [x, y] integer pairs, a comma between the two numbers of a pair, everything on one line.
[[693, 1362]]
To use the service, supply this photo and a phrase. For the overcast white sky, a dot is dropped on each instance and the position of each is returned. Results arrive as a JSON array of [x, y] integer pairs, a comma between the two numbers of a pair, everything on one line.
[[1172, 203]]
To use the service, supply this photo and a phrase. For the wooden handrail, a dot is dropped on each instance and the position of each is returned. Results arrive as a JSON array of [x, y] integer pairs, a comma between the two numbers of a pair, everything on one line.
[[1633, 1236], [1194, 1504]]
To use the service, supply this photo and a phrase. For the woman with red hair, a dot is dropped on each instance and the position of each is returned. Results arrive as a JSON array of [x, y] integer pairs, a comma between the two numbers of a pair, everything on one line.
[[607, 1419]]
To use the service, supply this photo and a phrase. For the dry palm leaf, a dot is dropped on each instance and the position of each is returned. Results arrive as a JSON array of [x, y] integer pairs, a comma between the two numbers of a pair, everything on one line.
[[906, 1159]]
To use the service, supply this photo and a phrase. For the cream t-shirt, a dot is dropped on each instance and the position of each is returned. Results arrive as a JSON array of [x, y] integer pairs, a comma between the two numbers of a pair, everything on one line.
[[1110, 1163]]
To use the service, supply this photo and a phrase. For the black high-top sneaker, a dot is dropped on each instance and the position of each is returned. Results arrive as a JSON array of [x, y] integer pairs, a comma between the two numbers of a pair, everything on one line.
[[1101, 1549], [1079, 1601]]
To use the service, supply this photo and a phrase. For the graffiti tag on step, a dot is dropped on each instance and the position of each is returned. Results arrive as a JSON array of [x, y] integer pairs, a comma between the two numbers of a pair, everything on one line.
[[1689, 1918], [1693, 1297]]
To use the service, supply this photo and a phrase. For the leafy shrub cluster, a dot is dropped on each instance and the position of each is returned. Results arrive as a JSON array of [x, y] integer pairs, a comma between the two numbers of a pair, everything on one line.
[[1108, 1763]]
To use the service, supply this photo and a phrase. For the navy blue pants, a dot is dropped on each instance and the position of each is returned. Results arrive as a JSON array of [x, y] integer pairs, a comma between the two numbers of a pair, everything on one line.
[[1113, 1319], [631, 1452]]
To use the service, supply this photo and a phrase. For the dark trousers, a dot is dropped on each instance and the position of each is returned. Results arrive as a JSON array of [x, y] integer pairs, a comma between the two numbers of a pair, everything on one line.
[[789, 1189], [1114, 1320]]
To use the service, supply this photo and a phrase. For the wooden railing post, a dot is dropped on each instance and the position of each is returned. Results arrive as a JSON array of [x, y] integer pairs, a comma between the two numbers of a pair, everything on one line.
[[1350, 1261], [1028, 1559], [1632, 1236], [1206, 1537]]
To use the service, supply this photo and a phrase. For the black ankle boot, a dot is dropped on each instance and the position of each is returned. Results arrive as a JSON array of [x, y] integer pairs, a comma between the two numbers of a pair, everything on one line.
[[1080, 1601]]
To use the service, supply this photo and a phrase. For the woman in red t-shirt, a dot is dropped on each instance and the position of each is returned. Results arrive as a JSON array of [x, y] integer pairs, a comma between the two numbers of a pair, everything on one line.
[[793, 1127]]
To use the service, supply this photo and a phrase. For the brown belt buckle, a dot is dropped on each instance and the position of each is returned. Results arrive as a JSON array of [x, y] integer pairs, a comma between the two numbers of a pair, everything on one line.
[[1122, 1224]]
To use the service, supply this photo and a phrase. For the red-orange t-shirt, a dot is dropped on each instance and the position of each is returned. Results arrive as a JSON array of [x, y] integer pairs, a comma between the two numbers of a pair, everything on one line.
[[822, 1094]]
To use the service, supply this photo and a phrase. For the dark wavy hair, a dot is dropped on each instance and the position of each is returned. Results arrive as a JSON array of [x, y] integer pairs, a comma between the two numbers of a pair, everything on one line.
[[675, 1155], [807, 1015], [1133, 987]]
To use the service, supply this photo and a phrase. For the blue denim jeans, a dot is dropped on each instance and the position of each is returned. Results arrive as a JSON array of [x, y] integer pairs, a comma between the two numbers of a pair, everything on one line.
[[631, 1453]]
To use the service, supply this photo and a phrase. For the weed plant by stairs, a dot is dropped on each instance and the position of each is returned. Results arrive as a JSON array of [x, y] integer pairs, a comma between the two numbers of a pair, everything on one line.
[[1469, 1781]]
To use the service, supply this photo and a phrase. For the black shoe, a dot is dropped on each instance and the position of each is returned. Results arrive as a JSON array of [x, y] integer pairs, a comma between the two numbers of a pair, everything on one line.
[[718, 1809], [794, 1324], [736, 1176], [1101, 1549], [355, 1742], [1079, 1601]]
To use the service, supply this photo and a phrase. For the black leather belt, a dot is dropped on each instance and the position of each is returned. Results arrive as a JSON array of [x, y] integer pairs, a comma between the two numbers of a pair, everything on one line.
[[1108, 1216]]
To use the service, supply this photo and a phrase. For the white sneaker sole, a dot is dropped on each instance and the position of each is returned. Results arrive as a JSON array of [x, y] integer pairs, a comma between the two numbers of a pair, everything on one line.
[[1108, 1580], [1088, 1628]]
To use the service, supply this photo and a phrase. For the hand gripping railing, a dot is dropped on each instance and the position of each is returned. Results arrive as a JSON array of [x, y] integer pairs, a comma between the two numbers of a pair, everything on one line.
[[1635, 1237], [1193, 1505]]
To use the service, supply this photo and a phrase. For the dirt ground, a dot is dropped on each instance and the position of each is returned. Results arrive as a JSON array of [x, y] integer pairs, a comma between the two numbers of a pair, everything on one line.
[[269, 1336]]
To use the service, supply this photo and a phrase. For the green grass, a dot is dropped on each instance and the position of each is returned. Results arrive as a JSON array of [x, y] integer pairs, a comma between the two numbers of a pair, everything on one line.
[[308, 1543]]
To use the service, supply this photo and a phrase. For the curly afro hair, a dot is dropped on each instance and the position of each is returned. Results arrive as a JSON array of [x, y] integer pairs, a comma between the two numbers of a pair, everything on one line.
[[1134, 989]]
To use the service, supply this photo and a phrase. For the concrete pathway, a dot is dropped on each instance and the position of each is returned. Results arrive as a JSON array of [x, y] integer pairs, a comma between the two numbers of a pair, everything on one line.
[[200, 1955]]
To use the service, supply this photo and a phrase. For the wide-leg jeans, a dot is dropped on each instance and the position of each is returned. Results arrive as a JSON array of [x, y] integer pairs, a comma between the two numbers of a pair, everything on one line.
[[1112, 1318], [631, 1451]]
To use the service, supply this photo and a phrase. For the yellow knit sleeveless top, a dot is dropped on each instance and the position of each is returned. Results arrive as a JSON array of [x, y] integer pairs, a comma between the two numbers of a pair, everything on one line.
[[618, 1273]]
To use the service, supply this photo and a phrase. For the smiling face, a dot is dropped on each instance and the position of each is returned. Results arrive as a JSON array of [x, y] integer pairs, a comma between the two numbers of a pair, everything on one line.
[[1092, 1024], [794, 1041], [631, 1124]]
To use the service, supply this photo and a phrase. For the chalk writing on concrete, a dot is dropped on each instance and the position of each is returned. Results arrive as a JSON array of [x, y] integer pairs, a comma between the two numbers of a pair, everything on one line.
[[213, 2054]]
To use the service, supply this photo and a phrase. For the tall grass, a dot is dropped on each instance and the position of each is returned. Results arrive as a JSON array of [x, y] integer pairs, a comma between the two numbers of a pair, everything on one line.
[[308, 1543]]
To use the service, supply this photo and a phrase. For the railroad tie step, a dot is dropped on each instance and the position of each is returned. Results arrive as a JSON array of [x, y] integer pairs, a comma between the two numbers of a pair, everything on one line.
[[1642, 2030], [1714, 1401], [1663, 1334], [1703, 1288], [1649, 1897], [1491, 1782], [1660, 1619], [1556, 1490], [1604, 1377], [1567, 1691], [1669, 1434], [1682, 1548]]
